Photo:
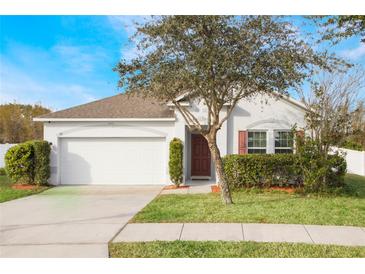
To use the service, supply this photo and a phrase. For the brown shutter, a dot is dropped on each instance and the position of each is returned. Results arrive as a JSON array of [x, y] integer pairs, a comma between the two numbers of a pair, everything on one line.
[[242, 142]]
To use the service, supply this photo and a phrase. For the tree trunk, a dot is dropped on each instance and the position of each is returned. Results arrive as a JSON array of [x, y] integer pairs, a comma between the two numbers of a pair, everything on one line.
[[225, 191]]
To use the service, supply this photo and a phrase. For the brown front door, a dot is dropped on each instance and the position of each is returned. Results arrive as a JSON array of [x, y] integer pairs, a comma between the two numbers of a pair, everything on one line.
[[200, 156]]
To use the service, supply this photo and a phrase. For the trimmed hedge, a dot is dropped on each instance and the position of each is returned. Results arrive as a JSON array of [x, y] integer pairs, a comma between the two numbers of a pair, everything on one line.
[[262, 170], [19, 163], [176, 161], [267, 170], [42, 169], [29, 162]]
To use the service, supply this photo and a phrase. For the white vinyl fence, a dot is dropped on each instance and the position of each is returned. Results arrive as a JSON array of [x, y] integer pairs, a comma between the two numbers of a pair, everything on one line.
[[355, 160], [3, 149]]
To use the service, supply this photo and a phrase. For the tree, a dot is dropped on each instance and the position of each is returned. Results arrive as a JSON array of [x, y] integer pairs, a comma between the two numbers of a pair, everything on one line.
[[16, 122], [332, 101], [217, 61], [356, 139], [339, 27]]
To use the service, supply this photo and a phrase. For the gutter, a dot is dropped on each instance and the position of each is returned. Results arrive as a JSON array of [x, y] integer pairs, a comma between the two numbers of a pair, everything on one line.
[[104, 119]]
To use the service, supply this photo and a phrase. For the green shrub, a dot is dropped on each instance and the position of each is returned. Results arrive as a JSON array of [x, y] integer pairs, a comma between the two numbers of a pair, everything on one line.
[[266, 170], [319, 171], [352, 145], [42, 170], [2, 171], [337, 172], [176, 161], [29, 162], [19, 163], [262, 170]]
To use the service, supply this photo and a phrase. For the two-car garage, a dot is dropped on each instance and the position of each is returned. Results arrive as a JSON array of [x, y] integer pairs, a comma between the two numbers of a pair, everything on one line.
[[118, 140], [112, 161]]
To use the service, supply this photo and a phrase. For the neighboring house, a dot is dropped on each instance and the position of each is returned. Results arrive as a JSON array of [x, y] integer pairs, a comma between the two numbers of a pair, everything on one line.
[[125, 139], [3, 149]]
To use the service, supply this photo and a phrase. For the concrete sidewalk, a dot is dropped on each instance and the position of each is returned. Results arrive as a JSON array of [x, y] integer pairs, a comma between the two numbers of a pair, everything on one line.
[[312, 234]]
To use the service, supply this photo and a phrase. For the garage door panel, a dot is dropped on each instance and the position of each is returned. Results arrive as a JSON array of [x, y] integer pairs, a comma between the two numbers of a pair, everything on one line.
[[112, 161]]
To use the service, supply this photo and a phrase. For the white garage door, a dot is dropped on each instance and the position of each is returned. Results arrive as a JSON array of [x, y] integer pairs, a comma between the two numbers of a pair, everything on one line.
[[112, 161]]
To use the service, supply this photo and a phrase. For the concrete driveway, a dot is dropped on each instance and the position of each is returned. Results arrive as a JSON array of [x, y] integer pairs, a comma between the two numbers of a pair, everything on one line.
[[69, 221]]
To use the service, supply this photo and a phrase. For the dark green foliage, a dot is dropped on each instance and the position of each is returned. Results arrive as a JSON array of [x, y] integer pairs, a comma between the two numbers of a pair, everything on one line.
[[319, 170], [19, 163], [338, 167], [352, 145], [176, 161], [2, 171], [29, 162], [42, 170], [262, 170], [309, 170]]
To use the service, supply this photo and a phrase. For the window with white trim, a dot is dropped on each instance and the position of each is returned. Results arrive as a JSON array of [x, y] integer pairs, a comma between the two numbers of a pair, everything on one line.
[[256, 142], [283, 141]]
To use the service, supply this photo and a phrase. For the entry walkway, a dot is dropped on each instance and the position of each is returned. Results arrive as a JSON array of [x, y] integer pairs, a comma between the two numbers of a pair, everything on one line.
[[192, 187], [312, 234]]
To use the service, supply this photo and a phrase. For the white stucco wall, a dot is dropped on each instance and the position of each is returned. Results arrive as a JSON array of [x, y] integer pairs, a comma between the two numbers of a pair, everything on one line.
[[259, 113], [262, 113], [54, 131]]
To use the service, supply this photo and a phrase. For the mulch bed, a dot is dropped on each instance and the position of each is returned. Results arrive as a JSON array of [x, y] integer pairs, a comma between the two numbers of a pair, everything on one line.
[[174, 187], [24, 187], [215, 189], [285, 189]]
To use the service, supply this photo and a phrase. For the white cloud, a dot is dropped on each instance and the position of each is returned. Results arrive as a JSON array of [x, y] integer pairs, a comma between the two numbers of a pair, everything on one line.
[[79, 59], [128, 25], [355, 53], [17, 85]]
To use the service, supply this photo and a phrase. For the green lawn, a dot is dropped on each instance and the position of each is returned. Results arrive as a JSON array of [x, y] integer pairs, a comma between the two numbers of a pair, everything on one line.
[[344, 208], [7, 193], [189, 249]]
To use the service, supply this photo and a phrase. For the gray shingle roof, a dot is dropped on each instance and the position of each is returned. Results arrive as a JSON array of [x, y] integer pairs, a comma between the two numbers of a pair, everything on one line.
[[118, 106]]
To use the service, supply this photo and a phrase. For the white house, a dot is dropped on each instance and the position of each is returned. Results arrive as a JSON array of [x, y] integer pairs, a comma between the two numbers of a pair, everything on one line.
[[125, 139]]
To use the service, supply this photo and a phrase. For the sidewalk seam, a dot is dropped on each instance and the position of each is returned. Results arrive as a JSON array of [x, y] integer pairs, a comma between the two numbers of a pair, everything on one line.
[[308, 233], [243, 233], [182, 227]]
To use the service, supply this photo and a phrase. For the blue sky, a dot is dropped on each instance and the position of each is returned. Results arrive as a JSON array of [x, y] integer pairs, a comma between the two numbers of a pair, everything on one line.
[[62, 61]]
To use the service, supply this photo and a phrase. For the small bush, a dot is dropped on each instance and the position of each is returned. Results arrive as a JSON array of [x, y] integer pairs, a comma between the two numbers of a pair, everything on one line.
[[319, 171], [2, 171], [29, 162], [19, 163], [176, 161], [337, 172], [42, 171], [262, 170]]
